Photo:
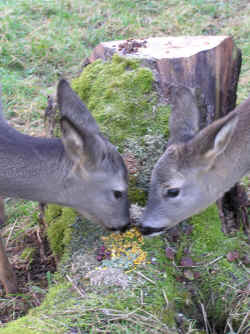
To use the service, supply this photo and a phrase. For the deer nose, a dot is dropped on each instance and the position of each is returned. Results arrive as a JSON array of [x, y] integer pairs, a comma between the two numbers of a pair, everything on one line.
[[121, 229], [147, 230], [125, 228]]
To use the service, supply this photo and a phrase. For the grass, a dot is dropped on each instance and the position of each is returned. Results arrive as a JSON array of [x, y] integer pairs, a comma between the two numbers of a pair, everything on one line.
[[22, 217], [42, 40]]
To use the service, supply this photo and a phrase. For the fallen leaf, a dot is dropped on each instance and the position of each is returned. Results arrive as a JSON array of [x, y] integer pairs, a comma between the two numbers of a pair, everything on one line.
[[232, 256], [170, 253], [186, 261], [197, 275]]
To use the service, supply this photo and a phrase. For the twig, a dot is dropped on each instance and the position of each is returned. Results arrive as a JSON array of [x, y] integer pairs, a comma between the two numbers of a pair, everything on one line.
[[203, 264], [117, 313], [140, 320], [230, 327], [204, 313], [145, 277], [141, 297], [10, 234], [14, 58], [81, 293], [215, 260], [165, 297], [243, 322], [152, 316], [244, 267]]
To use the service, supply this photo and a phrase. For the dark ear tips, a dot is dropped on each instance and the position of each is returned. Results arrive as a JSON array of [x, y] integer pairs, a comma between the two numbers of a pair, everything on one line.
[[63, 82], [71, 106], [65, 122], [62, 85]]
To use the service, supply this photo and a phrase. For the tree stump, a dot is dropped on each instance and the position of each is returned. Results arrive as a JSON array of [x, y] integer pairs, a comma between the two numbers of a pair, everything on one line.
[[211, 63]]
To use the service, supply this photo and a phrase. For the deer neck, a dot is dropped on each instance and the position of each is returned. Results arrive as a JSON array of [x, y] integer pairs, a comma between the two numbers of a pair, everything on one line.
[[31, 168]]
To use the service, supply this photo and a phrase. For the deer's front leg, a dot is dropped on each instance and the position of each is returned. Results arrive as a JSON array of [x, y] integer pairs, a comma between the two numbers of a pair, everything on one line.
[[7, 275]]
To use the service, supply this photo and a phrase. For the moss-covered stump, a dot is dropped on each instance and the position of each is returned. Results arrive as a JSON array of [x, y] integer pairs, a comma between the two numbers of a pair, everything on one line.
[[191, 280], [59, 228]]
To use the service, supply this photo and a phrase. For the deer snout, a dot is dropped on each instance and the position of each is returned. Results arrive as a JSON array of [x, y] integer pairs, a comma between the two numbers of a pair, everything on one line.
[[121, 229], [125, 227], [147, 230]]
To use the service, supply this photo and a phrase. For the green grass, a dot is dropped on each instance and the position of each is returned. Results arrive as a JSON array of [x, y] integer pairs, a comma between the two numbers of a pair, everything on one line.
[[22, 216], [43, 40]]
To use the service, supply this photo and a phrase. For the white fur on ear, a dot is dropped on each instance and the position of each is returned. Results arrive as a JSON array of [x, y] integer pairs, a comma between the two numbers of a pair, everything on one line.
[[172, 150], [184, 119], [72, 141], [225, 135], [222, 138]]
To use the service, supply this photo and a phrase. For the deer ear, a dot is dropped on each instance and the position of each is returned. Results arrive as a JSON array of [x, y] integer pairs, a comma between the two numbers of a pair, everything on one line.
[[71, 106], [185, 115], [83, 148], [72, 141], [218, 136]]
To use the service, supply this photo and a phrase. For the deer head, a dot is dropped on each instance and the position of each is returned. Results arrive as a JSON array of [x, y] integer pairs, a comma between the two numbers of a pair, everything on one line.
[[82, 170], [197, 167]]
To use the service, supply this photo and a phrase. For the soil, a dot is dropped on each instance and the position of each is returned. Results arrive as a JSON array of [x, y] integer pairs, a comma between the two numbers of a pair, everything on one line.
[[131, 46], [33, 276]]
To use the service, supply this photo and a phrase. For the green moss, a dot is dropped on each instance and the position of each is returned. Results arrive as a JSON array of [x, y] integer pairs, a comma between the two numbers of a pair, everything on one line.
[[45, 319], [52, 211], [208, 245], [164, 296], [59, 231], [217, 286], [207, 235], [135, 193], [167, 296], [63, 311], [122, 97], [27, 254]]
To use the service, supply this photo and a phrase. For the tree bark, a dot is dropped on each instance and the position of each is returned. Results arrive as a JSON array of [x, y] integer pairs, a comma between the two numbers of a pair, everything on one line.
[[211, 63], [7, 275]]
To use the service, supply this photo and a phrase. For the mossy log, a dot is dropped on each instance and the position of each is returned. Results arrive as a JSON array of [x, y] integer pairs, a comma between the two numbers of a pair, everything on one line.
[[211, 63]]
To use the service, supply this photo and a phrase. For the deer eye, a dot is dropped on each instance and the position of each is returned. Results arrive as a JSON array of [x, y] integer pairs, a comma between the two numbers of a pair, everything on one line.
[[117, 194], [172, 192]]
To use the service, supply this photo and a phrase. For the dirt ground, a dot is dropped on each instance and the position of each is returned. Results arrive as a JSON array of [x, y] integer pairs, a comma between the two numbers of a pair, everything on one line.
[[33, 276]]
